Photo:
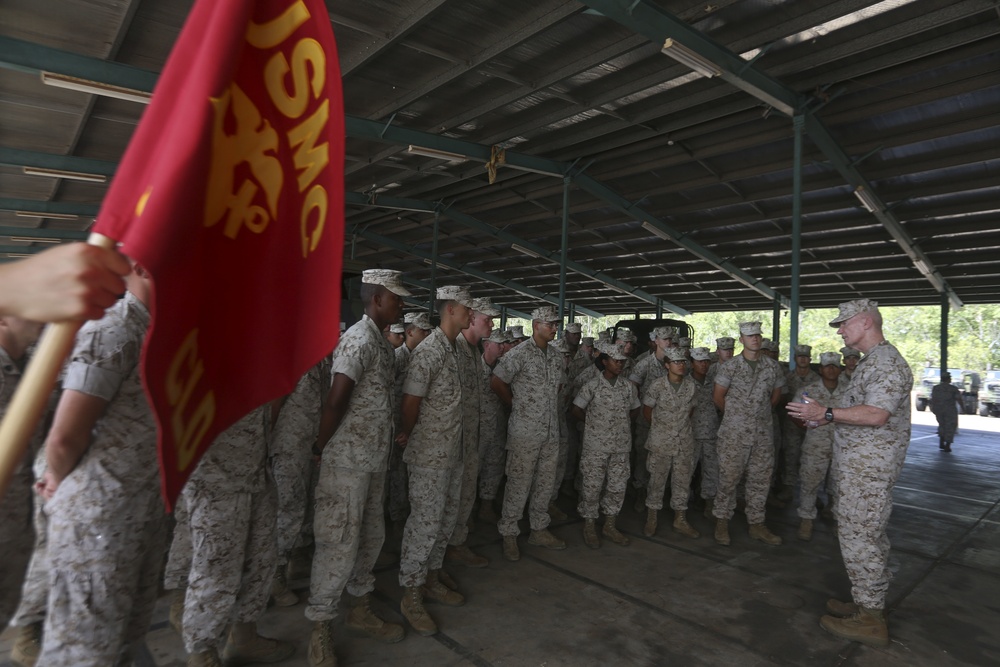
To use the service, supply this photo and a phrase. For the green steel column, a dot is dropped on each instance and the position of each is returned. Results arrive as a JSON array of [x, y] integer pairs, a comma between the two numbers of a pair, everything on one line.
[[503, 318], [434, 264], [945, 305], [564, 246], [659, 310], [798, 123]]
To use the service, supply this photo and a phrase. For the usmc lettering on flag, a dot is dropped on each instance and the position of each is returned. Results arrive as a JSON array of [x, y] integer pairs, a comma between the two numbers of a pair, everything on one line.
[[242, 135]]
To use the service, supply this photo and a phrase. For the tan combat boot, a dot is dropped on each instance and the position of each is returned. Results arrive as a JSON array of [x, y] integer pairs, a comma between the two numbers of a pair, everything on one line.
[[759, 532], [209, 658], [463, 555], [176, 615], [650, 528], [27, 645], [363, 619], [280, 593], [510, 550], [246, 647], [722, 532], [682, 526], [867, 626], [446, 579], [556, 513], [611, 531], [543, 538], [805, 530], [413, 610], [435, 591], [841, 609], [321, 645], [590, 534]]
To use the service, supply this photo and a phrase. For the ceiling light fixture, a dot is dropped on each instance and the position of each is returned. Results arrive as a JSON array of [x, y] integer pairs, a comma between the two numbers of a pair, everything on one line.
[[691, 59], [435, 153], [62, 173], [95, 87], [34, 239], [867, 199], [43, 215], [527, 251], [656, 231]]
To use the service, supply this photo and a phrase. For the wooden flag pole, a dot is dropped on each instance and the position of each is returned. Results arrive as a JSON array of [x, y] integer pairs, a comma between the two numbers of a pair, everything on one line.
[[32, 393]]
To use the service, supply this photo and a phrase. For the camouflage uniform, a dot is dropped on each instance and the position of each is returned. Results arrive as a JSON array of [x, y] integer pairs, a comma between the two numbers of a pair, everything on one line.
[[290, 455], [817, 451], [102, 591], [791, 433], [643, 375], [178, 567], [607, 439], [492, 436], [868, 460], [671, 441], [396, 479], [534, 376], [434, 456], [348, 523], [705, 426], [944, 404], [469, 361], [35, 590], [745, 440], [565, 401], [15, 509], [232, 509]]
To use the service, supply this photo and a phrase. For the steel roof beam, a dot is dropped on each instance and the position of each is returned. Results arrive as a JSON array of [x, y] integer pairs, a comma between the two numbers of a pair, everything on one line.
[[359, 199], [657, 24]]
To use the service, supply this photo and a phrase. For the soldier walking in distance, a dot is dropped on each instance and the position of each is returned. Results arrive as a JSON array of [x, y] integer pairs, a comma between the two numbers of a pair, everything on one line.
[[354, 437], [870, 438], [747, 387], [946, 404]]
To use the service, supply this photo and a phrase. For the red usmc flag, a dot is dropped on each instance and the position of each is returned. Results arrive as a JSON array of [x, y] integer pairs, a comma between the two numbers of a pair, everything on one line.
[[231, 195]]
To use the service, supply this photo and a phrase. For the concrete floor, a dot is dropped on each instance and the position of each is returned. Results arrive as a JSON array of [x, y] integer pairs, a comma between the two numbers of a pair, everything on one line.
[[670, 600]]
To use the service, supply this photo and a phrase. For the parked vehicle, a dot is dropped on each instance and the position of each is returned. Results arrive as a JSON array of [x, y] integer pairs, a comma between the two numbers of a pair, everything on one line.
[[989, 397], [929, 379]]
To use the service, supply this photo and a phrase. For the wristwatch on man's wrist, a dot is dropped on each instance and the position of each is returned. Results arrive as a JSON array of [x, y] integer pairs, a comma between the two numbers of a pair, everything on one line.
[[829, 414]]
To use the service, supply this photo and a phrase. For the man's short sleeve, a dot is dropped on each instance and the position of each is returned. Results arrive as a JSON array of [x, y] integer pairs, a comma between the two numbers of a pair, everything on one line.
[[635, 399], [509, 366], [424, 366], [652, 394], [352, 357], [724, 375], [888, 388], [101, 361], [585, 395]]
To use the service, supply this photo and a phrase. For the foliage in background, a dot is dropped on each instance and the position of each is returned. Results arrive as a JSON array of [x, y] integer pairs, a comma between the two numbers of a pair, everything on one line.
[[973, 340]]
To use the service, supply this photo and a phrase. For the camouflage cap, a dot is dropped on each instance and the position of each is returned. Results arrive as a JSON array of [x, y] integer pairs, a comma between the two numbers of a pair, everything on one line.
[[498, 337], [485, 306], [829, 359], [725, 343], [574, 328], [663, 333], [545, 314], [420, 320], [387, 278], [603, 336], [684, 341], [700, 354], [769, 345], [850, 352], [455, 293], [750, 329], [517, 332], [676, 354], [587, 341], [397, 328], [652, 335], [561, 345], [613, 350], [804, 351], [625, 335], [849, 309]]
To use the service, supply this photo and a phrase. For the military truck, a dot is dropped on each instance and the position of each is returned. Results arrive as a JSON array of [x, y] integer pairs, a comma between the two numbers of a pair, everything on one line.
[[968, 383], [989, 397]]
